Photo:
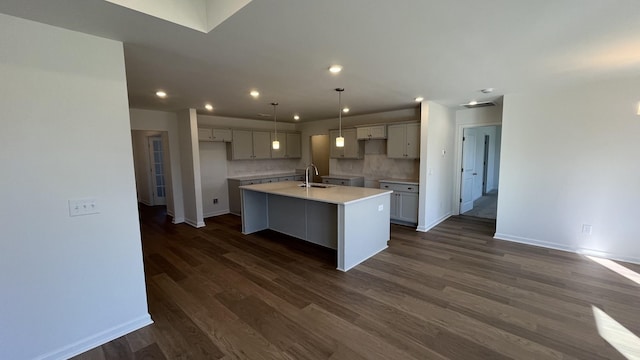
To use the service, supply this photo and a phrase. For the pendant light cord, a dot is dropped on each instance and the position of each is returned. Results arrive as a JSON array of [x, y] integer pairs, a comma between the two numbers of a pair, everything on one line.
[[275, 121], [340, 90]]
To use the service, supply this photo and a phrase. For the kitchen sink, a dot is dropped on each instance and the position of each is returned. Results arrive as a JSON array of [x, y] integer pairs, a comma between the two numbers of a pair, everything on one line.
[[317, 185]]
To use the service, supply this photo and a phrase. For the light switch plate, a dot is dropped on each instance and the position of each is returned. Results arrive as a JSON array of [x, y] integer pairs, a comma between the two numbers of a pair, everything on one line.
[[380, 207], [86, 206]]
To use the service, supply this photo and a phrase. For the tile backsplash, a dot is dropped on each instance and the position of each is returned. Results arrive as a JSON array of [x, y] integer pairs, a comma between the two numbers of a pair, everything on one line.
[[251, 167]]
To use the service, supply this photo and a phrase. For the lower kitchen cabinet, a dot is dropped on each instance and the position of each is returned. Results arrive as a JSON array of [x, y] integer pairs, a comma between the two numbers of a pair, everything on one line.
[[404, 202], [235, 205]]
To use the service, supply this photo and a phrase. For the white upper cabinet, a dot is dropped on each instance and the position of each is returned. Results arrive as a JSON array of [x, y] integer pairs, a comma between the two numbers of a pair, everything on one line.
[[353, 149], [403, 141], [250, 145], [280, 153], [220, 135], [289, 146], [372, 132]]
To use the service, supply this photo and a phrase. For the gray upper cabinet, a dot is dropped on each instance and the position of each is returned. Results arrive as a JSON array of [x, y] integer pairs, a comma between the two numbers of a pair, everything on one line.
[[372, 132], [218, 135], [290, 145], [280, 153], [222, 135], [205, 134], [353, 149], [250, 145], [403, 141]]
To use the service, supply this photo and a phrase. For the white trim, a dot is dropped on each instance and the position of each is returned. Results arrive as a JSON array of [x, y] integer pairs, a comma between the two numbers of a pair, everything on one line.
[[145, 202], [98, 339], [580, 251], [216, 213], [433, 224], [195, 224], [177, 220], [535, 242]]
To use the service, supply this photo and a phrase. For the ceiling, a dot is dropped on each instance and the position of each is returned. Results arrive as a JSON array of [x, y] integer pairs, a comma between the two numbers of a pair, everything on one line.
[[391, 51]]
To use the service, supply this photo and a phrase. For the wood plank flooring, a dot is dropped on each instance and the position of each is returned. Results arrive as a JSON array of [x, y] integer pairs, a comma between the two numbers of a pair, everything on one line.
[[450, 293]]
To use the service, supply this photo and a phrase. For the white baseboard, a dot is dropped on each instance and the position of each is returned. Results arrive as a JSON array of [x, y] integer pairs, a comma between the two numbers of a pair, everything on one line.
[[433, 224], [178, 220], [195, 224], [98, 339], [535, 242], [216, 213], [550, 245]]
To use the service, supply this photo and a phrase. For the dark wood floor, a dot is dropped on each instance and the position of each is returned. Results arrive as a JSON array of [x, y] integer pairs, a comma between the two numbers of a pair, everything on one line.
[[451, 293]]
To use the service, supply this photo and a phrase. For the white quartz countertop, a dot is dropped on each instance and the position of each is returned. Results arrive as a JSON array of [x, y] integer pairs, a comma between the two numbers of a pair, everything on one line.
[[400, 181], [334, 195]]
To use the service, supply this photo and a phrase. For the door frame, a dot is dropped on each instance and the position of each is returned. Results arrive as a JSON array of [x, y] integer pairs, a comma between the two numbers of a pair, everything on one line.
[[457, 176]]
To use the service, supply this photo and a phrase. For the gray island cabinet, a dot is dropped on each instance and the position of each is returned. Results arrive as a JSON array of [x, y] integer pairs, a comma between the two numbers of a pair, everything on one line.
[[352, 220]]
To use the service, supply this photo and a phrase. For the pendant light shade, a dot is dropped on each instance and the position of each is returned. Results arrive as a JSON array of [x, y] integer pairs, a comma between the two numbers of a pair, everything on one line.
[[339, 139], [275, 144]]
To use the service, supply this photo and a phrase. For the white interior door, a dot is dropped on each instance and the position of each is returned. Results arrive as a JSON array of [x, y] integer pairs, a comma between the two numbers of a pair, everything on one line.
[[468, 169], [156, 162]]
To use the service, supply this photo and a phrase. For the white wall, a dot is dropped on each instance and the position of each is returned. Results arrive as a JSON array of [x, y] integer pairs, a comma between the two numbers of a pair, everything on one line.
[[68, 283], [436, 169], [165, 122], [570, 157]]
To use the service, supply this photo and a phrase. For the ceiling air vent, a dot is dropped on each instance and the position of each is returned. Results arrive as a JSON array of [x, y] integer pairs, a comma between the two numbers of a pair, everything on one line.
[[479, 104]]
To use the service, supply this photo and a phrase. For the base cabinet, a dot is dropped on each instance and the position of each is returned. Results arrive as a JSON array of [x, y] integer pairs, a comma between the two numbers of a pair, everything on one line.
[[404, 202], [235, 205]]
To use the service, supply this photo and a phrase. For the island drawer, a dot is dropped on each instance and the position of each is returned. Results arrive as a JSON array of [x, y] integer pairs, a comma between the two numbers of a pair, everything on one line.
[[399, 187]]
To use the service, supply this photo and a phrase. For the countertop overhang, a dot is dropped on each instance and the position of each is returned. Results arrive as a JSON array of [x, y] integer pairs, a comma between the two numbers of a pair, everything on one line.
[[336, 194]]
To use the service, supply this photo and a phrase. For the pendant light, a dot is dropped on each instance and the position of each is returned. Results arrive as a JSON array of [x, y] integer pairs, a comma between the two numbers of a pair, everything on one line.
[[339, 139], [276, 144]]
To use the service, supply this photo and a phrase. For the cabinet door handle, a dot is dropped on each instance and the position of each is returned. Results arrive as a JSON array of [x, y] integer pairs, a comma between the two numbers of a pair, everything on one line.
[[409, 188], [387, 186]]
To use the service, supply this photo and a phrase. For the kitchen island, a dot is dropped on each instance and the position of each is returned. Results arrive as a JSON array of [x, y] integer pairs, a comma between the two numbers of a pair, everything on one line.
[[352, 220]]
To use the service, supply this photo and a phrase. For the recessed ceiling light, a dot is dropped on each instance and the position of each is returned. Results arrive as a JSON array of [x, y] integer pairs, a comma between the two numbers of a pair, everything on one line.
[[419, 99], [254, 93], [296, 117], [345, 110], [473, 102], [334, 69], [208, 107], [161, 94], [487, 90]]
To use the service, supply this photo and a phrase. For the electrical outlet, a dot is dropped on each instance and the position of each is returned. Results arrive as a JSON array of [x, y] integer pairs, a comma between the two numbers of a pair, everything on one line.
[[215, 201], [85, 206], [587, 229]]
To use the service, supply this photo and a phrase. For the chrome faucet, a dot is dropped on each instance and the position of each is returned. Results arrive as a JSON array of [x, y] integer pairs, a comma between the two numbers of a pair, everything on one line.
[[306, 174]]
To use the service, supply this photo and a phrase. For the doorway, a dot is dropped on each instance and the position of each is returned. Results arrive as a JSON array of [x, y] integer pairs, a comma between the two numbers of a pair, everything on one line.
[[320, 155], [480, 171], [151, 166]]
